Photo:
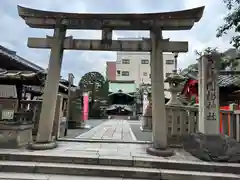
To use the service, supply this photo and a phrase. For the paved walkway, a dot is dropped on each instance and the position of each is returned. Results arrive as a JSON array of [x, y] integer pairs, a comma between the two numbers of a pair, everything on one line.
[[102, 150], [113, 129], [95, 151]]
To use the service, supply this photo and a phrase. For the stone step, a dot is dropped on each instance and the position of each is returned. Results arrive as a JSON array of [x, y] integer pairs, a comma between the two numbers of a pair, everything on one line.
[[37, 176], [79, 169], [44, 171], [122, 162]]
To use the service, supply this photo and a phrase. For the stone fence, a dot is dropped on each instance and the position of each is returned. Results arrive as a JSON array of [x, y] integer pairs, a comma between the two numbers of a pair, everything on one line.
[[33, 107], [182, 120]]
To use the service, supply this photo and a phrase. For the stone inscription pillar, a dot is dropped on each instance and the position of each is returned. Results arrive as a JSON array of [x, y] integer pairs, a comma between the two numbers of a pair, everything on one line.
[[159, 124], [51, 88], [208, 96]]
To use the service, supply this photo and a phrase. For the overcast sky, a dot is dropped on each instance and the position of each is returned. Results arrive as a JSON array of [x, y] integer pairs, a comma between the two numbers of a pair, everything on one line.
[[14, 32]]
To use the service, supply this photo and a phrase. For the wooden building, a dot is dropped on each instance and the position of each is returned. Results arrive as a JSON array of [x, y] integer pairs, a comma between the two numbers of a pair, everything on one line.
[[10, 62]]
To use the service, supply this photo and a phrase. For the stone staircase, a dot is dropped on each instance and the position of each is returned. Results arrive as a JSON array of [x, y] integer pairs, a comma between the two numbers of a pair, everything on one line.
[[33, 165]]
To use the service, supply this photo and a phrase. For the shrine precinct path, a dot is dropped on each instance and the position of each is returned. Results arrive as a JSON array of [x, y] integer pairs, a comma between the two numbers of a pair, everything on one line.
[[113, 129]]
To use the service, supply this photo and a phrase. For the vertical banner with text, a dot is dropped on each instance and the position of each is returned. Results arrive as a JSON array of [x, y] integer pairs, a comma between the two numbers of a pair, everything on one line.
[[85, 106]]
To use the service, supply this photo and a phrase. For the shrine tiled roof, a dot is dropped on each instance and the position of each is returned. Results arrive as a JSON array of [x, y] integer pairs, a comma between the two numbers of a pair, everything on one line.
[[18, 74], [227, 80], [223, 80], [12, 55]]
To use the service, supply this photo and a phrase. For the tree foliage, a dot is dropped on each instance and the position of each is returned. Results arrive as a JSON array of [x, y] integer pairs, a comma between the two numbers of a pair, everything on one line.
[[224, 61], [91, 80], [103, 91], [231, 22]]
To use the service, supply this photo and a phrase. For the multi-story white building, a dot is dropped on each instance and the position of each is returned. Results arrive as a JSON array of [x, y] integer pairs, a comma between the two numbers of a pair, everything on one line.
[[136, 66]]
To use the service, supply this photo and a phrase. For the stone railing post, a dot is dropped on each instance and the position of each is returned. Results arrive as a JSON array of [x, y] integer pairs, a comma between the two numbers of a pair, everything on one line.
[[57, 117]]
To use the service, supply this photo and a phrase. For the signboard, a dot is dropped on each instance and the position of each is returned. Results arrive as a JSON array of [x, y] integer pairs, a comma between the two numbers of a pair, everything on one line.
[[7, 114]]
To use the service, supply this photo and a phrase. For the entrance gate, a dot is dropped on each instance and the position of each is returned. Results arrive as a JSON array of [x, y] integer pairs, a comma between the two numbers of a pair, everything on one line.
[[156, 45]]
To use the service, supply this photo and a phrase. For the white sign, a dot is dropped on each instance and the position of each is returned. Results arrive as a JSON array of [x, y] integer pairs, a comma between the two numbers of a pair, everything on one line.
[[7, 114]]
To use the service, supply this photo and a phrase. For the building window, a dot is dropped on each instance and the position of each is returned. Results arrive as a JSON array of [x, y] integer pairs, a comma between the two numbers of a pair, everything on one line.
[[125, 61], [168, 74], [169, 61], [144, 61], [125, 73], [145, 73], [118, 72]]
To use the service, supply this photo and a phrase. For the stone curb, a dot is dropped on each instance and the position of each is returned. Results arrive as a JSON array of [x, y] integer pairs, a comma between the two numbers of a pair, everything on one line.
[[131, 162], [102, 141]]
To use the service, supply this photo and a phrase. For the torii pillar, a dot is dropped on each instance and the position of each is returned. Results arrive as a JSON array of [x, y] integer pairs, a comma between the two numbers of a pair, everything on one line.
[[44, 136], [159, 122]]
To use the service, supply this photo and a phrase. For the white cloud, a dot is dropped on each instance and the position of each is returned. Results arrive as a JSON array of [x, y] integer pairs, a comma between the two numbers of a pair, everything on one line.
[[14, 32]]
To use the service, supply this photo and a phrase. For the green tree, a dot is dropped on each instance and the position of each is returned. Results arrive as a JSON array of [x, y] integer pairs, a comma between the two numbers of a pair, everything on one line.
[[224, 61], [91, 78], [103, 91], [92, 82], [231, 22]]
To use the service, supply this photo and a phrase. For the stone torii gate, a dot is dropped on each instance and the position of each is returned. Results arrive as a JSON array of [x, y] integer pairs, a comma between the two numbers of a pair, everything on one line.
[[156, 45]]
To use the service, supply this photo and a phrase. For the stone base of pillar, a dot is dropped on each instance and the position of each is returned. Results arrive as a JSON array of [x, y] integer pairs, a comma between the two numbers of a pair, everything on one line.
[[84, 126], [146, 123], [160, 152], [42, 145], [14, 136], [145, 129]]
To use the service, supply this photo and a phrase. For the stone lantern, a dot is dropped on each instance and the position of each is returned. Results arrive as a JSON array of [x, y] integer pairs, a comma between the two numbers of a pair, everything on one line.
[[174, 81]]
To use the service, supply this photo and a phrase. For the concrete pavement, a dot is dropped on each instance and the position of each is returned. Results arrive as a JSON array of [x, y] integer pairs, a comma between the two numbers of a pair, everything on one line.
[[72, 133], [113, 129]]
